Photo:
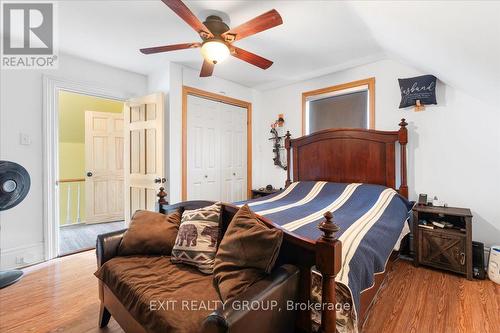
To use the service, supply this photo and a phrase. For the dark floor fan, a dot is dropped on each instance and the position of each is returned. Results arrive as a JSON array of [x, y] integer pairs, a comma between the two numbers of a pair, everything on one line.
[[14, 186]]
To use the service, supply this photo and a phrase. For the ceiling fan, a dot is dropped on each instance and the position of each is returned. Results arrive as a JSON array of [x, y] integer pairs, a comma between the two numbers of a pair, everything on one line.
[[217, 38]]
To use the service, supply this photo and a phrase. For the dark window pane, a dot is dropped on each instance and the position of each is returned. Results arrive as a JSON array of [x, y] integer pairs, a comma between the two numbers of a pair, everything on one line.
[[342, 111]]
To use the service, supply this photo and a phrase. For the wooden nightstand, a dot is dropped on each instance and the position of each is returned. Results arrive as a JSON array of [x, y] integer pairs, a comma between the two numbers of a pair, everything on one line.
[[448, 248], [263, 192]]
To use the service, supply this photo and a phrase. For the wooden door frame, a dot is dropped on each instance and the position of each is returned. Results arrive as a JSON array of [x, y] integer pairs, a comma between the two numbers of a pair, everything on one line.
[[186, 91], [52, 85], [370, 82]]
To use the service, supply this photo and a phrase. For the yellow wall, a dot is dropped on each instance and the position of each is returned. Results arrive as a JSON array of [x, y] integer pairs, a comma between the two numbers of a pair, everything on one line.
[[72, 109]]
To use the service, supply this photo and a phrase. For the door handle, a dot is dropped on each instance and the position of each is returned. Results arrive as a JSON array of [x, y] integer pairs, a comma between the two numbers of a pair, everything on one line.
[[157, 180], [462, 258], [206, 176], [89, 174], [234, 173]]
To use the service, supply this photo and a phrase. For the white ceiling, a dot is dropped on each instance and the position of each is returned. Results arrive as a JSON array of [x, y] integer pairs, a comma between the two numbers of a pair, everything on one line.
[[314, 36], [457, 41]]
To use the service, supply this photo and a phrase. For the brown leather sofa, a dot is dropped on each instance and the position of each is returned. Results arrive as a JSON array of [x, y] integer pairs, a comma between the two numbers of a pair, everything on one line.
[[275, 289]]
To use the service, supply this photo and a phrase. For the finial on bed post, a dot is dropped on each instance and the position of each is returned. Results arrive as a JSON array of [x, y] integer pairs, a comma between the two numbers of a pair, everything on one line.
[[161, 199], [287, 147], [328, 227], [403, 140], [328, 262]]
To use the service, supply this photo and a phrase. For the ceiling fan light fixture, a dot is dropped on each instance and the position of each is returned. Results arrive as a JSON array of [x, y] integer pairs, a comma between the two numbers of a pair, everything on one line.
[[215, 51]]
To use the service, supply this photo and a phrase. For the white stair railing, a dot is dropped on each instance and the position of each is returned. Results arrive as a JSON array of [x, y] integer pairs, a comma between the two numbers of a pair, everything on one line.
[[72, 217]]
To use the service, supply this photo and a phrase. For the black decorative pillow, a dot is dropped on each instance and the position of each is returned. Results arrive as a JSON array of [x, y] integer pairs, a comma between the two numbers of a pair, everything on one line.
[[421, 88]]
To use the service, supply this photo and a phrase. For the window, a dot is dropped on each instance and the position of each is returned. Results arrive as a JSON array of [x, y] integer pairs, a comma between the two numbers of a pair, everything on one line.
[[350, 105]]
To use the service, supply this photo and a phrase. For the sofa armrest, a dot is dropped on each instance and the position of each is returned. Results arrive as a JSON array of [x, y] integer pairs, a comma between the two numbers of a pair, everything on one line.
[[268, 297], [107, 246]]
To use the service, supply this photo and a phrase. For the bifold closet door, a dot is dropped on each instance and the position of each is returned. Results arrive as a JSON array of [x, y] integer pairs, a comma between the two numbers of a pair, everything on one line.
[[203, 149], [234, 153], [216, 150]]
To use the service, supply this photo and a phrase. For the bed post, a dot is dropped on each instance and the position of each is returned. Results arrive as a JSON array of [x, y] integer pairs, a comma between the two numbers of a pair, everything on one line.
[[328, 262], [161, 200], [403, 140], [287, 147]]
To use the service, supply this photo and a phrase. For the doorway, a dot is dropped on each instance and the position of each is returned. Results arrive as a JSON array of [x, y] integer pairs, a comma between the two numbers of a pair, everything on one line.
[[90, 169], [216, 149], [133, 107]]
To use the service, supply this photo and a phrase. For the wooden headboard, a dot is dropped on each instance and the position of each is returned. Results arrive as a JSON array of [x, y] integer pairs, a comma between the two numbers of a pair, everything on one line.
[[349, 156]]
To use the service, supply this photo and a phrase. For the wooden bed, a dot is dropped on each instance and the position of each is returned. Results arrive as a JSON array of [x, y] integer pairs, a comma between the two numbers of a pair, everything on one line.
[[334, 155], [345, 156]]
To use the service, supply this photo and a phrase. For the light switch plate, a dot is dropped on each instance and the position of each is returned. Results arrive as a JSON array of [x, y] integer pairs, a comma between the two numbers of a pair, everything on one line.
[[25, 139]]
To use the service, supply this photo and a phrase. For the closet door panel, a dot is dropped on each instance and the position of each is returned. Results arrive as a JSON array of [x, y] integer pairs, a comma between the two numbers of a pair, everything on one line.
[[239, 153], [203, 169]]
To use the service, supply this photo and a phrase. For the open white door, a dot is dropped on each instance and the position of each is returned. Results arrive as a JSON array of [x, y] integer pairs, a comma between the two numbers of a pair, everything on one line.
[[104, 166], [144, 162]]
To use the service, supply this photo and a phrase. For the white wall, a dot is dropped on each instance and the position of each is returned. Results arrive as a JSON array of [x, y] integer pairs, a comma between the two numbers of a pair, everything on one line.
[[454, 147], [180, 76], [21, 234]]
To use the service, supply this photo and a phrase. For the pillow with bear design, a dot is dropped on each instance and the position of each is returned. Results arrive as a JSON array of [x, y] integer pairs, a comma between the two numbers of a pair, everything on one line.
[[197, 239]]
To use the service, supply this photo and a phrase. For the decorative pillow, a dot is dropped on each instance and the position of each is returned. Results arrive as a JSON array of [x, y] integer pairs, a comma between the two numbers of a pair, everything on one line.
[[197, 239], [150, 233], [247, 252], [421, 88]]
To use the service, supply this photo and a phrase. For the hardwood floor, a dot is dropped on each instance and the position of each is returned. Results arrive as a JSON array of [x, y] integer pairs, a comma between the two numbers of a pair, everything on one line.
[[426, 300], [78, 237], [61, 296], [56, 296]]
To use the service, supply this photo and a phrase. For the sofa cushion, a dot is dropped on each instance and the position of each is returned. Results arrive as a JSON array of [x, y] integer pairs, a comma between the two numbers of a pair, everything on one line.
[[150, 233], [142, 283], [247, 252], [198, 236]]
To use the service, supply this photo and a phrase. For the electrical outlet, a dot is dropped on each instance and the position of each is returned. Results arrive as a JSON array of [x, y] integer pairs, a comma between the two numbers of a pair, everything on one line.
[[25, 139]]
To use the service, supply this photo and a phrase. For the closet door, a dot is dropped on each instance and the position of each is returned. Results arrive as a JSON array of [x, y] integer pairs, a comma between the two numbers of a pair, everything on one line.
[[203, 149], [234, 153]]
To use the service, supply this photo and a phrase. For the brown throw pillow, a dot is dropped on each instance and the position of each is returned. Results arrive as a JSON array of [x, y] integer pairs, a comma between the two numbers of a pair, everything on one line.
[[198, 238], [150, 233], [247, 252]]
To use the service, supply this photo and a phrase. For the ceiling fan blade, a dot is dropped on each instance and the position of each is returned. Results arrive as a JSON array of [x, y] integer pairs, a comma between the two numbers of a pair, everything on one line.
[[166, 48], [183, 11], [207, 69], [251, 58], [260, 23]]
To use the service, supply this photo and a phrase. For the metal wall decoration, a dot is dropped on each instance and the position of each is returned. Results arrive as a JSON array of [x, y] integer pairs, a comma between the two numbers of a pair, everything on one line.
[[278, 138]]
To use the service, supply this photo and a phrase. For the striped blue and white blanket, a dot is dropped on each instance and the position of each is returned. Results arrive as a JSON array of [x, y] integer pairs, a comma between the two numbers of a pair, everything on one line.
[[371, 219]]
